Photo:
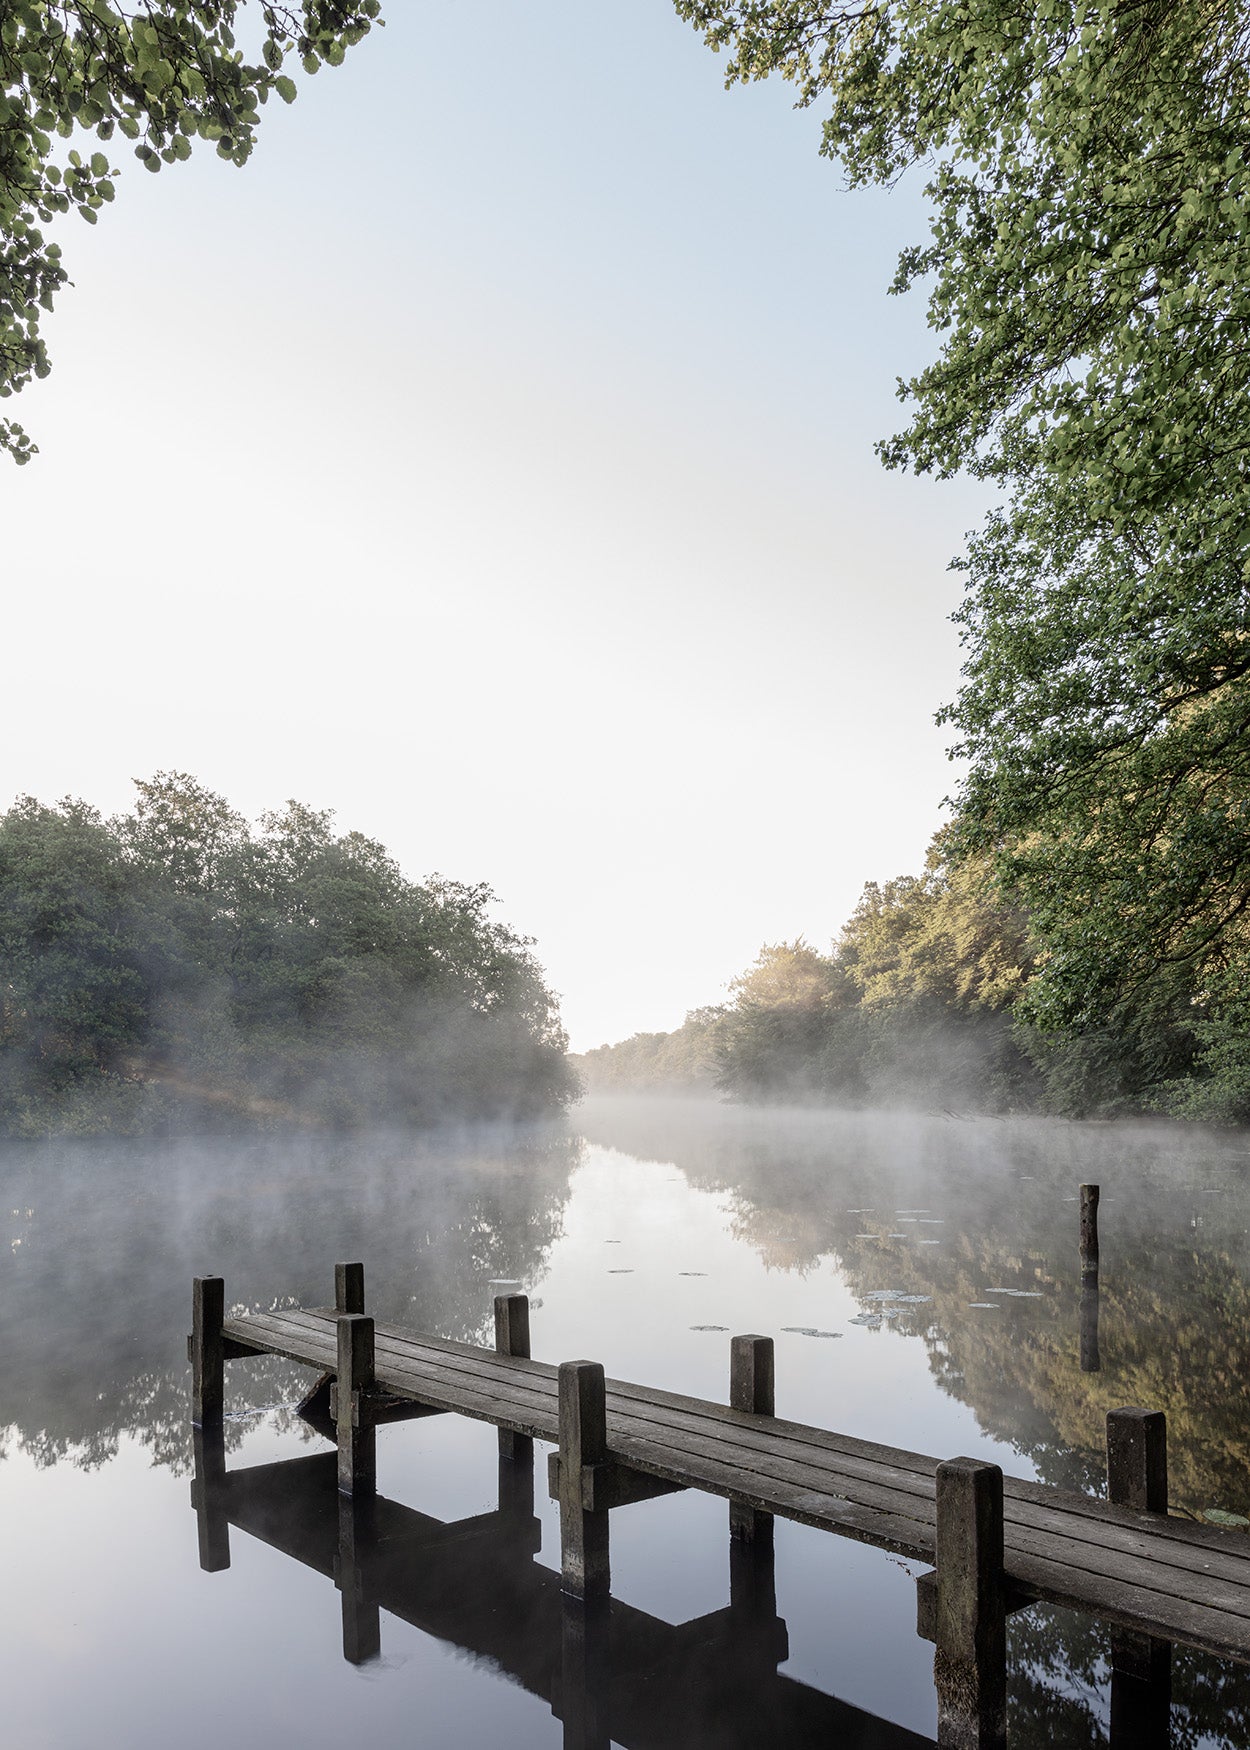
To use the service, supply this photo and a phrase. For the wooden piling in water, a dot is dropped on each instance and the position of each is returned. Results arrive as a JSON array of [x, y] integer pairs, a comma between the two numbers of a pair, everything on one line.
[[1089, 1227], [1141, 1665], [970, 1664], [752, 1387], [208, 1497], [349, 1288], [512, 1337], [583, 1430], [357, 1436], [1091, 1357], [208, 1351]]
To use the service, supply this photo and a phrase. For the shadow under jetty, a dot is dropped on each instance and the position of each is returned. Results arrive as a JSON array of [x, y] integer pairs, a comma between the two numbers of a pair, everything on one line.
[[609, 1672]]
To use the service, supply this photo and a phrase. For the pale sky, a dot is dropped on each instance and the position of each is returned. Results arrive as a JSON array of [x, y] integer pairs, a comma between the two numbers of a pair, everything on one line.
[[491, 462]]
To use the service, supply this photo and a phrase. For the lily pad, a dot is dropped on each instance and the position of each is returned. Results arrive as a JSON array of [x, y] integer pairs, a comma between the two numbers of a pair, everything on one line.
[[709, 1327], [1218, 1516], [692, 1272], [809, 1331], [985, 1306], [621, 1272], [870, 1321]]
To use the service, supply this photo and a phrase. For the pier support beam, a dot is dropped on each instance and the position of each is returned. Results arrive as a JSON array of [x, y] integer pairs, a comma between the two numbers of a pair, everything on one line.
[[357, 1436], [1141, 1666], [970, 1665], [208, 1351], [584, 1568]]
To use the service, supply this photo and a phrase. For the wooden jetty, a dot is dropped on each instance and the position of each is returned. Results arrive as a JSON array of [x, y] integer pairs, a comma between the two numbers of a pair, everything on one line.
[[998, 1544]]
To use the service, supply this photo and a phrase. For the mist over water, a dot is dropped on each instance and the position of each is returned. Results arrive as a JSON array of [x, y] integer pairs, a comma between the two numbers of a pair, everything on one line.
[[919, 1274]]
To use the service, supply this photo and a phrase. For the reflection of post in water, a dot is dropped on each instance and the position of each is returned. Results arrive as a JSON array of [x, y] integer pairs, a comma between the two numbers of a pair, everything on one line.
[[362, 1621], [585, 1625], [1091, 1361], [1141, 1666], [208, 1497]]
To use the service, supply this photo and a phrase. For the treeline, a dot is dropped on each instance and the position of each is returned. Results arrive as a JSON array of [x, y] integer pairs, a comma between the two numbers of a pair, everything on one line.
[[929, 999], [178, 966]]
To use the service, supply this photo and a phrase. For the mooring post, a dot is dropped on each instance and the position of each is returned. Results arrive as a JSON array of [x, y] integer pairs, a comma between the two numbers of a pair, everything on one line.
[[970, 1664], [512, 1337], [584, 1569], [208, 1497], [208, 1351], [357, 1435], [1089, 1227], [349, 1288], [362, 1617], [1141, 1666]]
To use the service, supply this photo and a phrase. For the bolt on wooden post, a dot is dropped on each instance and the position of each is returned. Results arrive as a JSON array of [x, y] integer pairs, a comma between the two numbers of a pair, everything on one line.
[[970, 1664], [357, 1436], [583, 1426]]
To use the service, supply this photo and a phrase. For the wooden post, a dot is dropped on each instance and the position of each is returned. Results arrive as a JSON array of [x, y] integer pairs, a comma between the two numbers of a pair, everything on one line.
[[584, 1569], [349, 1288], [1141, 1666], [512, 1337], [970, 1664], [357, 1436], [208, 1353], [1089, 1227], [208, 1497], [752, 1575], [362, 1618]]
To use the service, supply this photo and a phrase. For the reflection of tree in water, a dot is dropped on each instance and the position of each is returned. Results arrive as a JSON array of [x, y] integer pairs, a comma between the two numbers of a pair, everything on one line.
[[96, 1291], [1175, 1312]]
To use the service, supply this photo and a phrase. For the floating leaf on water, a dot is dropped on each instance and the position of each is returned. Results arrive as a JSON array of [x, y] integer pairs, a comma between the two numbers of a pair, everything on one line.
[[865, 1236], [709, 1327], [913, 1299], [870, 1321], [621, 1272], [692, 1272], [809, 1331], [911, 1212], [884, 1294], [985, 1306], [845, 1212], [928, 1242], [898, 1236], [1218, 1516], [933, 1221]]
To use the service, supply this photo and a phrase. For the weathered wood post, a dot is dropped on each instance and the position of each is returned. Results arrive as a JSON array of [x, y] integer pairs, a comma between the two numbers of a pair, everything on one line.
[[1089, 1227], [208, 1497], [208, 1351], [349, 1288], [970, 1664], [584, 1569], [357, 1435], [752, 1574], [362, 1617], [516, 1451], [1141, 1666]]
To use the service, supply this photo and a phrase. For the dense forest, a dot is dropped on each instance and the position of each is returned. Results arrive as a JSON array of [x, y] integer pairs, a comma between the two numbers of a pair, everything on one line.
[[930, 998], [177, 966]]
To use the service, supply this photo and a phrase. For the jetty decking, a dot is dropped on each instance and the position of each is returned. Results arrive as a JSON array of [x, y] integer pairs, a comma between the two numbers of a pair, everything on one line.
[[998, 1543]]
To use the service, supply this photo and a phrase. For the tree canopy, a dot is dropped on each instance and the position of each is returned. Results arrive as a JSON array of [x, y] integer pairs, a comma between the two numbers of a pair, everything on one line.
[[176, 960], [162, 77], [1088, 278]]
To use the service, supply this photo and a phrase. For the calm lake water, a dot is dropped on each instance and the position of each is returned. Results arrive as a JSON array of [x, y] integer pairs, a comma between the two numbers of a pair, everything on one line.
[[920, 1277]]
